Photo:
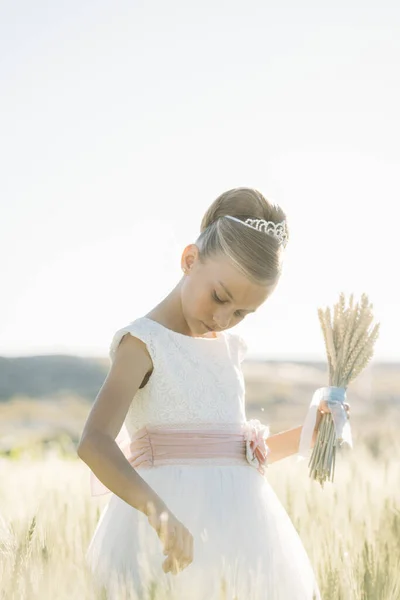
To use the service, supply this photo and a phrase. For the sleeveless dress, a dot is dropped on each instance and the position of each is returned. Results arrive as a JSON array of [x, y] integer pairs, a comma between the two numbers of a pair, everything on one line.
[[245, 545]]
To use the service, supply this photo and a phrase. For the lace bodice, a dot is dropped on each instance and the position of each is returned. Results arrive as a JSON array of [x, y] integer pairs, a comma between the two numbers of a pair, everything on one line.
[[195, 380]]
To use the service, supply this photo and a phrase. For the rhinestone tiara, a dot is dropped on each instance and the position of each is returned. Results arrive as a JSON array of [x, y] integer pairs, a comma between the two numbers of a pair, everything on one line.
[[277, 230]]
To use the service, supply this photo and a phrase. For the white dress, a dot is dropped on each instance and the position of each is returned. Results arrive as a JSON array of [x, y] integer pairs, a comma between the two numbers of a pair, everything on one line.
[[245, 545]]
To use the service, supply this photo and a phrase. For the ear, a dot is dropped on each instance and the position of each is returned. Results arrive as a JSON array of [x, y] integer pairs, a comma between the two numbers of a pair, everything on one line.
[[189, 257]]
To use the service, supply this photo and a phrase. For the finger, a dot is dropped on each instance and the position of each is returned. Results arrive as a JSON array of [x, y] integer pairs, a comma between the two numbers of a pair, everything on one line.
[[188, 550], [177, 548], [179, 552], [323, 407], [176, 565], [166, 566], [170, 564], [187, 554]]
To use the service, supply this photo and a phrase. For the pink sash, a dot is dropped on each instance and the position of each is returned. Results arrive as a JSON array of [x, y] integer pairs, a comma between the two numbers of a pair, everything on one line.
[[153, 446]]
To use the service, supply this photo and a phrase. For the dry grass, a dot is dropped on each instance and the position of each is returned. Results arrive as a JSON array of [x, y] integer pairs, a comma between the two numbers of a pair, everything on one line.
[[351, 529]]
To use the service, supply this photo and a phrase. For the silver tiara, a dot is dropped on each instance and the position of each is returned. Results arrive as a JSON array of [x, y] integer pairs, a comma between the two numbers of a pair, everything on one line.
[[277, 230]]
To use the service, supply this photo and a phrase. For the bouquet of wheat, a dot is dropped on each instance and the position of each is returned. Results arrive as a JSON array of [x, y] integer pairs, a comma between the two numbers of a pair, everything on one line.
[[349, 342]]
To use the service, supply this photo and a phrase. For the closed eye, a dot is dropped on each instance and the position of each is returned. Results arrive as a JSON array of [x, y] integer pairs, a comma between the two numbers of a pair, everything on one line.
[[217, 299]]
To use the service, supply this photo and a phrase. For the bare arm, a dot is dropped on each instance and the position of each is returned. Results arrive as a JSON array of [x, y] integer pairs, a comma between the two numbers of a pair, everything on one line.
[[97, 446], [102, 454], [286, 443]]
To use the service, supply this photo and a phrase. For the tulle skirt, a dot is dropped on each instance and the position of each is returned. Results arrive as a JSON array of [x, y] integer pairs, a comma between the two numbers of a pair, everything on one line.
[[245, 544]]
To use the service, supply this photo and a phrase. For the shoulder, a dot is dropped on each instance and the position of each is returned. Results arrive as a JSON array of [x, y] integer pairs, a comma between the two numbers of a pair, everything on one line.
[[134, 338]]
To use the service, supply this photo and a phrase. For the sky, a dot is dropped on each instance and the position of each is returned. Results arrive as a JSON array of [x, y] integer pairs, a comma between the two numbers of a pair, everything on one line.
[[122, 121]]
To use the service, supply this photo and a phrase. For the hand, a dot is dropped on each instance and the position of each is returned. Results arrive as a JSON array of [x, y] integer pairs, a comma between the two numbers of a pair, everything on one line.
[[176, 538], [324, 408]]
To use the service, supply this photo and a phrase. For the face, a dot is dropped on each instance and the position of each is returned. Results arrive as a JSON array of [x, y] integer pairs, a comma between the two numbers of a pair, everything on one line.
[[216, 293]]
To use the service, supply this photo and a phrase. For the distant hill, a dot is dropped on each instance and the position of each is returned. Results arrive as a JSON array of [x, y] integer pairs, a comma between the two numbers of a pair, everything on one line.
[[47, 376]]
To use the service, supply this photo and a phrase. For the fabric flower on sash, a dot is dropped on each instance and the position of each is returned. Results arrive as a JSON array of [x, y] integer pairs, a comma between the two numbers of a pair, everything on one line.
[[255, 434]]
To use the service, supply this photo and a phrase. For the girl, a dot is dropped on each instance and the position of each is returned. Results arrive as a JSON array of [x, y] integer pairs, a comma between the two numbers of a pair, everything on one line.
[[192, 515]]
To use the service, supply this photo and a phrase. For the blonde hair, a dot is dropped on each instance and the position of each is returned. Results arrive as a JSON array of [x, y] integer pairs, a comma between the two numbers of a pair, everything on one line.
[[256, 254]]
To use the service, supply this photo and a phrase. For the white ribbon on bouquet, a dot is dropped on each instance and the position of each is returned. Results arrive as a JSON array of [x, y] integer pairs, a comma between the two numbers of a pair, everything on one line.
[[335, 398]]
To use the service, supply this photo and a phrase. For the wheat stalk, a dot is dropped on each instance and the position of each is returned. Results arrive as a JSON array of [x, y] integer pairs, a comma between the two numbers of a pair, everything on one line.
[[349, 345], [322, 320], [365, 354]]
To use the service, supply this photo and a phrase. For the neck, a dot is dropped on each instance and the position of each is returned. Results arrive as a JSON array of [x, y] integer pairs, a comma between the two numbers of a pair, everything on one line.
[[169, 311]]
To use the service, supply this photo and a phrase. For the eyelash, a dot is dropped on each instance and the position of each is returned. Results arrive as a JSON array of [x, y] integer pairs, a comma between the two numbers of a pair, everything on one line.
[[222, 302]]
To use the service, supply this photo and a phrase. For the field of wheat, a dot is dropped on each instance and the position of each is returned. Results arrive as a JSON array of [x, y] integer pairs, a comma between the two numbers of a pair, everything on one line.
[[351, 528]]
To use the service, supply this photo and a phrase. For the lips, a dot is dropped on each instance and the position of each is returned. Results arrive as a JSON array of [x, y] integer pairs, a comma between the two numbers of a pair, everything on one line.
[[212, 328]]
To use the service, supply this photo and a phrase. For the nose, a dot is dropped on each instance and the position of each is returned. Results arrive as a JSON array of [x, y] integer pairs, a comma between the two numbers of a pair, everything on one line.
[[222, 321]]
